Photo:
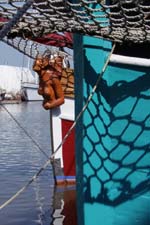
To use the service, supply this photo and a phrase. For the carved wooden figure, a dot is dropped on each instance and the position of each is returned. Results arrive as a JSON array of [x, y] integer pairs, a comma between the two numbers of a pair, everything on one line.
[[49, 81]]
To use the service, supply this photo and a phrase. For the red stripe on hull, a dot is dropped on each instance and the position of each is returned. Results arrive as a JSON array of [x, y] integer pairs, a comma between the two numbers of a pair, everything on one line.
[[68, 149]]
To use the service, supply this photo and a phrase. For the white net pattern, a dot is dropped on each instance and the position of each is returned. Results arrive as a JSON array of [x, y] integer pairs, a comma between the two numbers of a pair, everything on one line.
[[122, 20]]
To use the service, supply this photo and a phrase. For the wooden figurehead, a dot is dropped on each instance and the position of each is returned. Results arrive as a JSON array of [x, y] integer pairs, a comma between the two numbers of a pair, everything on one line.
[[50, 88]]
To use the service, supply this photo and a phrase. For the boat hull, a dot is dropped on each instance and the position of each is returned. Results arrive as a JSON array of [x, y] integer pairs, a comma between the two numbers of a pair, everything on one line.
[[30, 92], [62, 119], [112, 148]]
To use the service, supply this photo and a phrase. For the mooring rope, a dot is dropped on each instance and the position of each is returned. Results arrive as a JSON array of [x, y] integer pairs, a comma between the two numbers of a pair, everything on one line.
[[25, 131], [25, 186], [51, 158]]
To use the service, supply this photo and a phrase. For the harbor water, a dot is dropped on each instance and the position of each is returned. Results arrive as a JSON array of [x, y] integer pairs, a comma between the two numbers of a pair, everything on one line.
[[24, 131]]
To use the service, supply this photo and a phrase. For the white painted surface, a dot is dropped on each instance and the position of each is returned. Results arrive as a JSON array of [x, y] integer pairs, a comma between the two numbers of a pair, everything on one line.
[[68, 110], [130, 60]]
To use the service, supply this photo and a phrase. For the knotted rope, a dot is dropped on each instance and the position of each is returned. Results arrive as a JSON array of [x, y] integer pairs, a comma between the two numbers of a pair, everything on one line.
[[8, 26]]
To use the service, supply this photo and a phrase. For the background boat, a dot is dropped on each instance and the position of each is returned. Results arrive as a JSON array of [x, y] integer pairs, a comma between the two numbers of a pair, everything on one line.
[[29, 89], [13, 78], [2, 94], [30, 92]]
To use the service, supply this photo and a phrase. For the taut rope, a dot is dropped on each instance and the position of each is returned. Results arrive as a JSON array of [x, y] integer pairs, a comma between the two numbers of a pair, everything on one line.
[[25, 131], [51, 158]]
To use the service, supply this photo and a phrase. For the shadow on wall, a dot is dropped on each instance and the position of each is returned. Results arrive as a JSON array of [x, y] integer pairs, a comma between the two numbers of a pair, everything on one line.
[[116, 165]]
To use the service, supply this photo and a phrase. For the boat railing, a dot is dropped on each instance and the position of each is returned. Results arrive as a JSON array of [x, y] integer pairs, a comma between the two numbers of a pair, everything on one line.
[[136, 61]]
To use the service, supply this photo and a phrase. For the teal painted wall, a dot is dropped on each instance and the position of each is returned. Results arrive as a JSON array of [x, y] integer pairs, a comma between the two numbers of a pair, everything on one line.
[[112, 139]]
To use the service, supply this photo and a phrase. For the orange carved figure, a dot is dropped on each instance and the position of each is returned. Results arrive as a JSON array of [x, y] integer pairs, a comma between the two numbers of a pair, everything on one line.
[[49, 81]]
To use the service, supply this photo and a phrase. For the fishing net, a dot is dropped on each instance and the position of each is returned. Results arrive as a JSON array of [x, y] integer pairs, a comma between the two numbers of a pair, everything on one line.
[[21, 27], [122, 20], [31, 48]]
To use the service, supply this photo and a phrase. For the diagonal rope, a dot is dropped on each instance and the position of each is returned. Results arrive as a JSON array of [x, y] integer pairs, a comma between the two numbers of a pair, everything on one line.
[[85, 106], [8, 26], [25, 131], [51, 158], [25, 186]]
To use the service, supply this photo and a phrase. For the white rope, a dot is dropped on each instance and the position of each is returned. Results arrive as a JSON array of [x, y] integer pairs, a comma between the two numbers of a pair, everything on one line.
[[25, 131], [25, 186], [51, 158]]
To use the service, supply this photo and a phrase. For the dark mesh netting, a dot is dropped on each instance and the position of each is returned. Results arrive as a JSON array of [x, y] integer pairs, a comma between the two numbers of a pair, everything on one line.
[[116, 137], [120, 20]]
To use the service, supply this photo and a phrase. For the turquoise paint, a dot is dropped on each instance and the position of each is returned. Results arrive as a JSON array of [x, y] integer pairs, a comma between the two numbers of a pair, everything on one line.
[[113, 139], [129, 213]]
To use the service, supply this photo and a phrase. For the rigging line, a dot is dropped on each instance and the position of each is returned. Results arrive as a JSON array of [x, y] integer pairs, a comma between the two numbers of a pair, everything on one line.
[[25, 131], [25, 186], [64, 139], [86, 104], [7, 27]]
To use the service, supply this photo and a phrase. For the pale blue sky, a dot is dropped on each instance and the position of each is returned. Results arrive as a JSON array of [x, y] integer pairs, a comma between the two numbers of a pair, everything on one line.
[[12, 57]]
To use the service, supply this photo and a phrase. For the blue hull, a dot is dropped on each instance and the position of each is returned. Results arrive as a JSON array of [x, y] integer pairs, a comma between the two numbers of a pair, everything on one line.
[[113, 138]]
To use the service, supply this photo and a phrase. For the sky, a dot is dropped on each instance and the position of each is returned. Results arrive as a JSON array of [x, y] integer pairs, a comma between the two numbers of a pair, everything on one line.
[[12, 57], [10, 77]]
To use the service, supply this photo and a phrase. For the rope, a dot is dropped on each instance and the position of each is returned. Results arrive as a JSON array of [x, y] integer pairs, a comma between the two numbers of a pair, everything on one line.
[[8, 26], [51, 158], [119, 20], [36, 144], [85, 106], [25, 186]]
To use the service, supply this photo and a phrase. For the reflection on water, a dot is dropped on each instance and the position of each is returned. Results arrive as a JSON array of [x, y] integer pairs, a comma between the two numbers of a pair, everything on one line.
[[20, 159], [64, 206]]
